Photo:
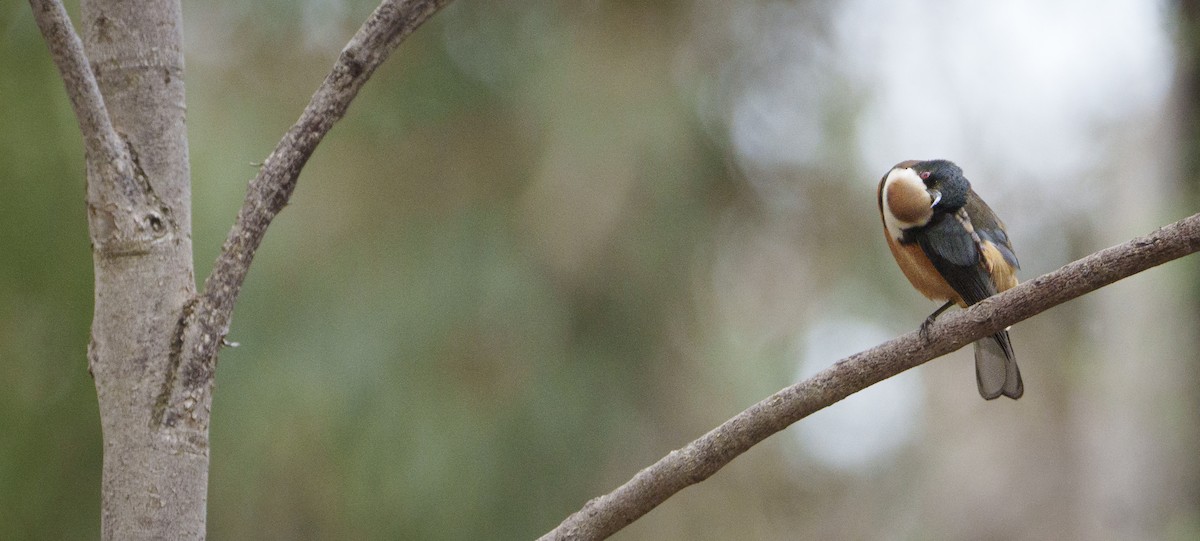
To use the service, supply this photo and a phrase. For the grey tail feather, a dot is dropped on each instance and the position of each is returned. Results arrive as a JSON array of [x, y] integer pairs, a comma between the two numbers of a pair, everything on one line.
[[996, 370]]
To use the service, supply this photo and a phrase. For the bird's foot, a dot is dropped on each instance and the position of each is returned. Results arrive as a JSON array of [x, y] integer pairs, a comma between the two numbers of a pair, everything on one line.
[[924, 330]]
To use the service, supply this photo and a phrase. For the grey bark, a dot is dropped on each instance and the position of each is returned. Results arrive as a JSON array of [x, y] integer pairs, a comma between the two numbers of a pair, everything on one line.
[[155, 340], [155, 475]]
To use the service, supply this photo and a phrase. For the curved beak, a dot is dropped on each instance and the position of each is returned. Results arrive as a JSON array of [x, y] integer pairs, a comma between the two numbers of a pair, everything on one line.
[[936, 196]]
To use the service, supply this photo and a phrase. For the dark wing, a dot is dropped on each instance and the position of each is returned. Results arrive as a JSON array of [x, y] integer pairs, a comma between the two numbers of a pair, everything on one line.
[[953, 252], [989, 227], [952, 248]]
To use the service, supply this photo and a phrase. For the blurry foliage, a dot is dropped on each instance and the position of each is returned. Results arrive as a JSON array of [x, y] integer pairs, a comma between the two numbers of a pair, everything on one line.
[[452, 331]]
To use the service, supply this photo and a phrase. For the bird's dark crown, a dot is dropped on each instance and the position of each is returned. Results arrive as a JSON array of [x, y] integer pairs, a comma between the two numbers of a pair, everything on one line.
[[947, 178]]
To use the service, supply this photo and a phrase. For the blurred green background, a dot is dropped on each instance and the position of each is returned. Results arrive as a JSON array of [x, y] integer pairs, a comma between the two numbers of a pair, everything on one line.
[[553, 241]]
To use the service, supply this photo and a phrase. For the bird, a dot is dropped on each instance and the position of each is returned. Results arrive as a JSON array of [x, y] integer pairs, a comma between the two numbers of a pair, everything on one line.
[[952, 247]]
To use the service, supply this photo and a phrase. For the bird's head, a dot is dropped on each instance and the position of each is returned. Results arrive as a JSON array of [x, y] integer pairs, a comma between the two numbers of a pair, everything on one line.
[[914, 191]]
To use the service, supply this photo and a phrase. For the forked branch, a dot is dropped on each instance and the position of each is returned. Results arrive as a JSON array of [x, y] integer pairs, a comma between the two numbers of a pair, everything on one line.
[[205, 322], [603, 516]]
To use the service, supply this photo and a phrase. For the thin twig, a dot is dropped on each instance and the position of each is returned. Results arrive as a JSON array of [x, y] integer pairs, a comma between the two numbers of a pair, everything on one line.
[[270, 190], [204, 323], [603, 516], [100, 139]]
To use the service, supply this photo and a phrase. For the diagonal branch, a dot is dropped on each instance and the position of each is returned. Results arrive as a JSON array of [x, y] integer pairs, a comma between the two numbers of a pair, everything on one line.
[[603, 516], [204, 322], [270, 190], [100, 140]]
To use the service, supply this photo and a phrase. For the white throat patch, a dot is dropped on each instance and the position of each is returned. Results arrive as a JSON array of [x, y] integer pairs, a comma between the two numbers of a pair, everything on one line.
[[905, 180]]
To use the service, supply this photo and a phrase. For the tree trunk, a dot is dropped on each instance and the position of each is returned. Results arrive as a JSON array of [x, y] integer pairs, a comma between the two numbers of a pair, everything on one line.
[[155, 468]]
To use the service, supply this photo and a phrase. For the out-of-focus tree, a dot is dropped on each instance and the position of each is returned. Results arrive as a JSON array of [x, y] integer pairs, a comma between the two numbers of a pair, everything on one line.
[[154, 336]]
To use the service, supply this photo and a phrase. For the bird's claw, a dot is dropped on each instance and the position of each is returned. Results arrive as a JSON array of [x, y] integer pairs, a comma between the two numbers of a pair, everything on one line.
[[923, 332]]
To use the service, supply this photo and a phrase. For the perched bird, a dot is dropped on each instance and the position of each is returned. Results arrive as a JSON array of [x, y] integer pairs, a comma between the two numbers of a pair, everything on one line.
[[953, 248]]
